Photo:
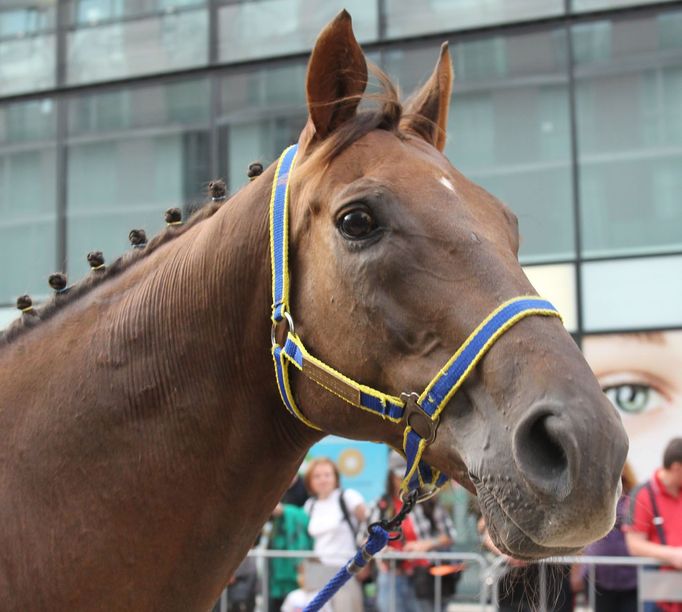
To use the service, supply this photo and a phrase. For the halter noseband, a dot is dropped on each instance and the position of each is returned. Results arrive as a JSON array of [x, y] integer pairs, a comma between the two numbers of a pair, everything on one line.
[[419, 413]]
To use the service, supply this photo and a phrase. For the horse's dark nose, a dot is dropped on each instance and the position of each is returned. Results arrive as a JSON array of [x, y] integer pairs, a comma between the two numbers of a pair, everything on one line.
[[546, 452]]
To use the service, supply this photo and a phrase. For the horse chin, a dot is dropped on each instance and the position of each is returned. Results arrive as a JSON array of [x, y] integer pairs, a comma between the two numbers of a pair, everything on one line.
[[509, 537]]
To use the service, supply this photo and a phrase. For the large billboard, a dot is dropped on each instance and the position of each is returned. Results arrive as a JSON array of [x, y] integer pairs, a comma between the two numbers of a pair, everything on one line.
[[641, 373]]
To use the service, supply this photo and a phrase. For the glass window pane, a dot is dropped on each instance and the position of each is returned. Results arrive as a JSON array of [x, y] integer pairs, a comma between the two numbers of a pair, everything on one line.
[[95, 11], [629, 94], [27, 122], [409, 17], [178, 103], [632, 293], [170, 41], [27, 64], [27, 198], [7, 315], [509, 129], [128, 163], [641, 373], [27, 46], [262, 112], [556, 282], [27, 220], [279, 27]]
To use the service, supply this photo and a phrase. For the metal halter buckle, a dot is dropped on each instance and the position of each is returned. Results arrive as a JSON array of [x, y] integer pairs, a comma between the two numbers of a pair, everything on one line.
[[414, 416], [275, 324]]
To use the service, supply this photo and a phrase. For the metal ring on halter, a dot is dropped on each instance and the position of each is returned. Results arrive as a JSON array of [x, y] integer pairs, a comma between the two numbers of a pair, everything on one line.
[[273, 329], [416, 417], [423, 493]]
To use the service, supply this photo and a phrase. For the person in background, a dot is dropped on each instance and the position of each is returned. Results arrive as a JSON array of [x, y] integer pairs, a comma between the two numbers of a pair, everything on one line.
[[297, 600], [296, 494], [334, 517], [289, 532], [615, 585], [654, 523], [427, 528]]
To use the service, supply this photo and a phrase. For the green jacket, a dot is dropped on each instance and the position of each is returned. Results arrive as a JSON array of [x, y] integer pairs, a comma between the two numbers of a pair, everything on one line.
[[289, 532]]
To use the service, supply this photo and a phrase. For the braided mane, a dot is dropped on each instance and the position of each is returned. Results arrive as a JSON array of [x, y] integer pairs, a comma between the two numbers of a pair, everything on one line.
[[32, 316]]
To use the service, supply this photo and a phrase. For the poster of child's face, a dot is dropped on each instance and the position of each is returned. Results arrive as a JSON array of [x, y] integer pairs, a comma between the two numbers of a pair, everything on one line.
[[641, 373]]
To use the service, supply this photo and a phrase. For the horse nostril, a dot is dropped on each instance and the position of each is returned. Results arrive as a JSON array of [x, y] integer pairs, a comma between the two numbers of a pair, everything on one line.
[[544, 452]]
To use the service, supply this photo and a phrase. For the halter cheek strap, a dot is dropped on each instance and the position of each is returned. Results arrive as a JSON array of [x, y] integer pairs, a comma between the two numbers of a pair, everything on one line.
[[420, 414]]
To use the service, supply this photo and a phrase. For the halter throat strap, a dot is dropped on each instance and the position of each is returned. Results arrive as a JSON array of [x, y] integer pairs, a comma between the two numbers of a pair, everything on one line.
[[419, 413]]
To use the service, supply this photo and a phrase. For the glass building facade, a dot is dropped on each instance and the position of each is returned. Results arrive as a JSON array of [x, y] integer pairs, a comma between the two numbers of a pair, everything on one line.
[[570, 111]]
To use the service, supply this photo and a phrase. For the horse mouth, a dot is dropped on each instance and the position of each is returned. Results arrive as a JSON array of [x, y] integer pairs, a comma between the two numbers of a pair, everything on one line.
[[505, 531]]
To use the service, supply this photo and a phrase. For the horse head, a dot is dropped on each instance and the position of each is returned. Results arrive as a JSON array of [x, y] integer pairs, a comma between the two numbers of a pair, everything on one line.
[[396, 258]]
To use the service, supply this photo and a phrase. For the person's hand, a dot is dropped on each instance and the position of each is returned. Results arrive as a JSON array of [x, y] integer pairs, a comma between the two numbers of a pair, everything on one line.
[[278, 511], [675, 557], [418, 546]]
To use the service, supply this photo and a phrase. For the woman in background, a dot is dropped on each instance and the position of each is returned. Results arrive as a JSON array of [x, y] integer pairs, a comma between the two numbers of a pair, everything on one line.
[[334, 517]]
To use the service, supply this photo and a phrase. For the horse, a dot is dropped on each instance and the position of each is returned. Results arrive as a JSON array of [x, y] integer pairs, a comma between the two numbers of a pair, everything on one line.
[[144, 438]]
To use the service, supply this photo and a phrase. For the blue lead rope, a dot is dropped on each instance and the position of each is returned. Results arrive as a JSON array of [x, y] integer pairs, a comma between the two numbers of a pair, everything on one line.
[[378, 538]]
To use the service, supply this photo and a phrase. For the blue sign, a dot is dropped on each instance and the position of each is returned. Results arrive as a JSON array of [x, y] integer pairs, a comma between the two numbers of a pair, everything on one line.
[[363, 465]]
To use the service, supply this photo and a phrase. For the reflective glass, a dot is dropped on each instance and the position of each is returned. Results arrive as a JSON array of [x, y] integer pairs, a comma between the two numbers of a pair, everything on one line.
[[509, 129], [96, 11], [629, 96], [409, 17], [132, 154], [279, 27], [27, 46], [109, 50], [632, 293], [27, 64], [7, 315], [27, 198], [262, 112]]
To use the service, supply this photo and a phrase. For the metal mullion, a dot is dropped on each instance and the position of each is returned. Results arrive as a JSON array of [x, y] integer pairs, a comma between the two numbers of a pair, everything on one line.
[[575, 169], [61, 169]]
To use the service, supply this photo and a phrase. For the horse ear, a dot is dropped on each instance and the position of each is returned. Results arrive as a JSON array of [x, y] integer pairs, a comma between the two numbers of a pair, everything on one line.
[[337, 76], [426, 113]]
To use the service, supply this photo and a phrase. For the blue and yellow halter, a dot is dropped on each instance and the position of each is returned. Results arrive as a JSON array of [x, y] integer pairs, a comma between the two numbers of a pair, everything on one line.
[[419, 413]]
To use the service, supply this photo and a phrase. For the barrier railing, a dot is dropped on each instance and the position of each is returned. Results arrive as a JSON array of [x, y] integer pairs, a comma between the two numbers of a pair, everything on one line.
[[653, 585]]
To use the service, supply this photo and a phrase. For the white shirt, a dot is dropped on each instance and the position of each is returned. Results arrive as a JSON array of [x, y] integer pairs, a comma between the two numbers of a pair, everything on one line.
[[331, 533], [297, 600]]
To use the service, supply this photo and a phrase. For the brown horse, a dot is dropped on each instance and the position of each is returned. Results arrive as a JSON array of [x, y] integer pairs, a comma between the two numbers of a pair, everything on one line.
[[144, 440]]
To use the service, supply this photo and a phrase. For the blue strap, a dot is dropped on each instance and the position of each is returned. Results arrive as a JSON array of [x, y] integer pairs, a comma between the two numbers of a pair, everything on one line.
[[378, 538], [279, 234]]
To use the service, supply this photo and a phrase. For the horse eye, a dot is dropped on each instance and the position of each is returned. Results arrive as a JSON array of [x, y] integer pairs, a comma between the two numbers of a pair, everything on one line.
[[356, 224]]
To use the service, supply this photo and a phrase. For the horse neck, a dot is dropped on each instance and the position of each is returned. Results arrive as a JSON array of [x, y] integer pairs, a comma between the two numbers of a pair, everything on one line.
[[176, 413]]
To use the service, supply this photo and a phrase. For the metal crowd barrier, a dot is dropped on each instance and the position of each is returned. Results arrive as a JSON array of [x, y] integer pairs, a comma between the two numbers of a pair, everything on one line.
[[653, 585]]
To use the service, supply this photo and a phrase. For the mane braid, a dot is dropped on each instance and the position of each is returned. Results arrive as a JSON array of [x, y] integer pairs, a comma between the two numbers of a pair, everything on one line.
[[125, 261]]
